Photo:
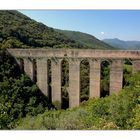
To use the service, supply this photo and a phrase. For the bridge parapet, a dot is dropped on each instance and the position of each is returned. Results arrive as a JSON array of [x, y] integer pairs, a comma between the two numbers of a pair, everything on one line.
[[75, 53]]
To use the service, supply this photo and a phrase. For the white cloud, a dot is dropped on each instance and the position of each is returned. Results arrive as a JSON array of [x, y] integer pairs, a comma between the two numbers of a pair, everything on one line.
[[102, 33]]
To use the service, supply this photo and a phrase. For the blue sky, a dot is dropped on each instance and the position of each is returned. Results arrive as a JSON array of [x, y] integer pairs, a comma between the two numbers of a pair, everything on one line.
[[122, 24]]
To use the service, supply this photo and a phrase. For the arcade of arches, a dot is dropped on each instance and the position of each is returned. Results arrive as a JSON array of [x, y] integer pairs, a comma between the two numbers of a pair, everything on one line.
[[35, 64]]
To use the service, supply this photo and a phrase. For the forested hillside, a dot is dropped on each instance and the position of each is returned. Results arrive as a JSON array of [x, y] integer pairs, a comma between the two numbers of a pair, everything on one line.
[[86, 40], [19, 31], [19, 96]]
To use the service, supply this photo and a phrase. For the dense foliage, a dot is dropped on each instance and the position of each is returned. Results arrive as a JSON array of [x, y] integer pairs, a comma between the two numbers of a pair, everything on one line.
[[18, 95], [19, 31], [113, 112]]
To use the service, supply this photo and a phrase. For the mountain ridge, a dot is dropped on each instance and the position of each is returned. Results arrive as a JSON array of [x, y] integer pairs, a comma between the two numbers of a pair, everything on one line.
[[86, 39], [121, 44]]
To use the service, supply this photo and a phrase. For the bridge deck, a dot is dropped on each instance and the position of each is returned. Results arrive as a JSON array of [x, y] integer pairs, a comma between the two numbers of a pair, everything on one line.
[[76, 53]]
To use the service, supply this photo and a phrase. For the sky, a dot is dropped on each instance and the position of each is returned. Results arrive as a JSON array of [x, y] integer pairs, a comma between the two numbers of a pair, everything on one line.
[[121, 24]]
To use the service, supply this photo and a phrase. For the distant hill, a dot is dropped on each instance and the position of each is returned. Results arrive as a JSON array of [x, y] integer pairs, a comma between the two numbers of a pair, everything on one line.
[[86, 40], [131, 45]]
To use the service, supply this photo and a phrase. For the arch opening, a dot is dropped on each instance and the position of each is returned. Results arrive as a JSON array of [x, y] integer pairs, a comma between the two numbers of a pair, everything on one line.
[[21, 65], [127, 71], [105, 78], [49, 81], [34, 71], [64, 84], [84, 80]]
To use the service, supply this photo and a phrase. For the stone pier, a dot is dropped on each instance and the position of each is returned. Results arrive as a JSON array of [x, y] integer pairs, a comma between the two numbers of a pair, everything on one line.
[[56, 80], [95, 74], [29, 68], [20, 63], [116, 76], [136, 66], [74, 82], [42, 75]]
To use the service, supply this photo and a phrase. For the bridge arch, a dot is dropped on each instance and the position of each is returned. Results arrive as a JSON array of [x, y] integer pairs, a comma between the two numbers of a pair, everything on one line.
[[105, 78], [65, 83], [84, 80], [74, 57]]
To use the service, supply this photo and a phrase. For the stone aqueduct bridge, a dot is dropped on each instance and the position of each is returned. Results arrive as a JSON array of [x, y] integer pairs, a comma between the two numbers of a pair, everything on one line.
[[74, 57]]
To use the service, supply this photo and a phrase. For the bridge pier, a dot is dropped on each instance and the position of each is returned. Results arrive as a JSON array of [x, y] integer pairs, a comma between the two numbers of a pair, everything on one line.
[[74, 83], [20, 62], [95, 74], [42, 75], [116, 76], [136, 66], [29, 68], [56, 80]]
